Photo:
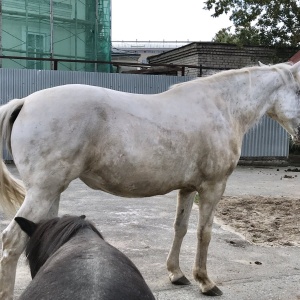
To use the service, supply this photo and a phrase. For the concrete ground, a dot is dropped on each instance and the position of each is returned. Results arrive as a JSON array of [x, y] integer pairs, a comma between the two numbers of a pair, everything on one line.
[[143, 229]]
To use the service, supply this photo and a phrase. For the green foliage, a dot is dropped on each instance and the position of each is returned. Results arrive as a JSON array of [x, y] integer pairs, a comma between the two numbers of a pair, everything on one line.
[[242, 36], [225, 36], [259, 22]]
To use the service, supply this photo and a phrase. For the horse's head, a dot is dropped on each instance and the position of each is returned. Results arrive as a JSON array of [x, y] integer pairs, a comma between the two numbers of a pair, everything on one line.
[[35, 248], [286, 109], [49, 235]]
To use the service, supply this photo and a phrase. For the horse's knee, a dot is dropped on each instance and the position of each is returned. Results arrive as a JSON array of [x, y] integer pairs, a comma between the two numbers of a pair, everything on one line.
[[180, 232], [180, 229]]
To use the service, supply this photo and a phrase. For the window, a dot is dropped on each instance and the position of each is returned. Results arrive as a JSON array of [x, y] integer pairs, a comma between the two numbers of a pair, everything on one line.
[[35, 48]]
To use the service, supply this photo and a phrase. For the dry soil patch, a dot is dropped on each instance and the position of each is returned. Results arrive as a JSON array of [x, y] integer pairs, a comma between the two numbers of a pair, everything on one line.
[[262, 220]]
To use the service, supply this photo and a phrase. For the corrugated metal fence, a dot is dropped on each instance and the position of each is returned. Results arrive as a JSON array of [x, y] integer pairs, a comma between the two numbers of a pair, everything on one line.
[[267, 139]]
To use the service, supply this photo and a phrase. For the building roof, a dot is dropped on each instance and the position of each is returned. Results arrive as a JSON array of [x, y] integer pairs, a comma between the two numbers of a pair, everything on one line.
[[295, 58]]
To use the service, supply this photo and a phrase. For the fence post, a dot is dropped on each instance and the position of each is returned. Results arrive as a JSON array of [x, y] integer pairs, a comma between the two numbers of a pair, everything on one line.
[[55, 64], [182, 71]]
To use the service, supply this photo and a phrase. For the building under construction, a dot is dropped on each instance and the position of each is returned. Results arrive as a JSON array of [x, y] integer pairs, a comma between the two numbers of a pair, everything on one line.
[[60, 29]]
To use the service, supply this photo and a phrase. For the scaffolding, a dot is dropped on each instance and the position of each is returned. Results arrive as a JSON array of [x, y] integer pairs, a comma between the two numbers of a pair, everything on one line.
[[62, 29]]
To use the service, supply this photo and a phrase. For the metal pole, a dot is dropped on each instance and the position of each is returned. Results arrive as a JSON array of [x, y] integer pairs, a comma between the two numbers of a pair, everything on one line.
[[96, 35], [76, 37], [55, 63], [1, 33], [26, 38], [51, 34], [182, 71]]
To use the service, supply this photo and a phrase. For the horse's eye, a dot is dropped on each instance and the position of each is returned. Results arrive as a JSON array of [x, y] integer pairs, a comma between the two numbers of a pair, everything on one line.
[[298, 93]]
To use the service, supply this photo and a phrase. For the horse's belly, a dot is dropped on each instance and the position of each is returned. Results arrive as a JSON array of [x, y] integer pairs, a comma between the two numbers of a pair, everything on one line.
[[130, 185]]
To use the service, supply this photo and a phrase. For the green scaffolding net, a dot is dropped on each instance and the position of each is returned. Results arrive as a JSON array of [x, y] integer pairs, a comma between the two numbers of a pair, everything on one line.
[[65, 29]]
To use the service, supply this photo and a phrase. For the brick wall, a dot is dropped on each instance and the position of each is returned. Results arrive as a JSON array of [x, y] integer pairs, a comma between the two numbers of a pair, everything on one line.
[[217, 55]]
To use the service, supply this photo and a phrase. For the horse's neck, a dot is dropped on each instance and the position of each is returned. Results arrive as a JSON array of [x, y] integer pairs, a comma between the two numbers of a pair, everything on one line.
[[248, 95]]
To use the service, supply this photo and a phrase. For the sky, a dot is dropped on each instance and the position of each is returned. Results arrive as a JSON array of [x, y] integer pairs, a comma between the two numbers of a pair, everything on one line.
[[168, 20]]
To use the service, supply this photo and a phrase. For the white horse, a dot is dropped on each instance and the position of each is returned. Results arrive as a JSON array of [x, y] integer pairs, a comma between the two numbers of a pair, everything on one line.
[[187, 138]]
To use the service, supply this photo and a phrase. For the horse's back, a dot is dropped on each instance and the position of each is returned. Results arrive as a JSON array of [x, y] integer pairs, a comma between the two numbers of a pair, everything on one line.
[[88, 268]]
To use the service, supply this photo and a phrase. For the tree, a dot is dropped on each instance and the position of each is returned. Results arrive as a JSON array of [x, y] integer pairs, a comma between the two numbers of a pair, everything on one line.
[[260, 22], [241, 36]]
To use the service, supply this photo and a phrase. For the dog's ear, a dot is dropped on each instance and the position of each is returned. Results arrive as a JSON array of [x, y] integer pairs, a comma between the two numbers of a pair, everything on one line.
[[27, 226]]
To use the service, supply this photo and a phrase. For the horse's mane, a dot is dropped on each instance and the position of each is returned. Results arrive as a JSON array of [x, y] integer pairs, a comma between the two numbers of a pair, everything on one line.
[[282, 68], [50, 235]]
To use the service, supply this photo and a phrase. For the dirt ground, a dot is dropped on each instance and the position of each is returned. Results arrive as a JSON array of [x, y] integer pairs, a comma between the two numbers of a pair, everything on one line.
[[272, 219], [262, 220]]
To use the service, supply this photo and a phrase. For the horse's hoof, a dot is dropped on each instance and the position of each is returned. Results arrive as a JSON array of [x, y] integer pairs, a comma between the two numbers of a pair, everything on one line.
[[181, 281], [215, 291]]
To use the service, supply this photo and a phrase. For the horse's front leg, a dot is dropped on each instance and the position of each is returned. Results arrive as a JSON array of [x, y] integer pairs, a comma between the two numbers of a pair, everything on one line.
[[14, 239], [185, 200], [210, 194]]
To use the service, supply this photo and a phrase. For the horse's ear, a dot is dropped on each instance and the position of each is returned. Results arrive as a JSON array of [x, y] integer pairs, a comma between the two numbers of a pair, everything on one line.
[[261, 64], [295, 71], [296, 67], [27, 226]]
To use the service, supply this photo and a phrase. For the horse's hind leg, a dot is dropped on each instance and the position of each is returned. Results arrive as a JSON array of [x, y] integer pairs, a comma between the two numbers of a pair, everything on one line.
[[14, 239], [53, 211], [210, 194], [13, 242], [185, 201]]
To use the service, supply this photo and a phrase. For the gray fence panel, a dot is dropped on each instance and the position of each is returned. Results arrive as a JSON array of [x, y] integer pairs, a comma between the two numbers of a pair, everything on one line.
[[20, 83], [267, 139]]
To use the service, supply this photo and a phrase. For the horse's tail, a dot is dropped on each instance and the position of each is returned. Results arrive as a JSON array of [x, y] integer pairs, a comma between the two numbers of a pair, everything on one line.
[[12, 191]]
